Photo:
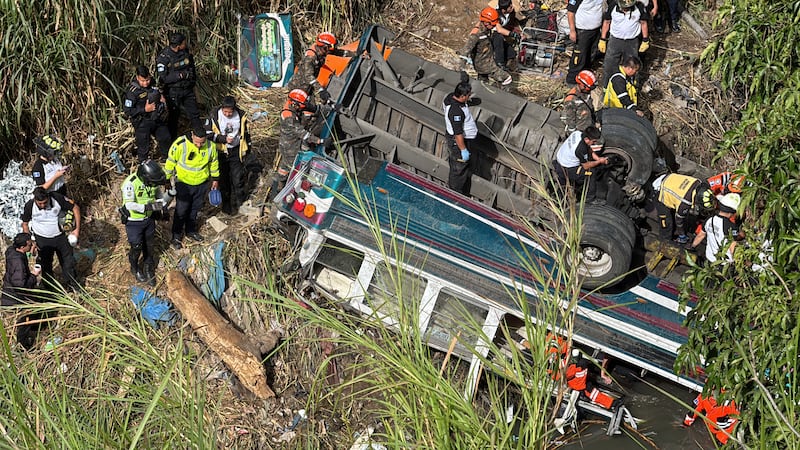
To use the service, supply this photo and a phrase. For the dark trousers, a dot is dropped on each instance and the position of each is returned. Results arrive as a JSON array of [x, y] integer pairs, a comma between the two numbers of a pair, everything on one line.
[[188, 203], [615, 51], [146, 128], [503, 50], [460, 177], [232, 181], [582, 53], [141, 236], [57, 246], [671, 14], [182, 99], [579, 177]]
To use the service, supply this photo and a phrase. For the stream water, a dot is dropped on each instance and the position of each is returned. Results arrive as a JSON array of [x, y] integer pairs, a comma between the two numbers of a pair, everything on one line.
[[662, 427]]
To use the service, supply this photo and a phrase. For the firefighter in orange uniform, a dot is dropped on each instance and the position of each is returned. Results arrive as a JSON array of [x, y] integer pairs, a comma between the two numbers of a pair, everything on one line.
[[721, 419], [578, 380]]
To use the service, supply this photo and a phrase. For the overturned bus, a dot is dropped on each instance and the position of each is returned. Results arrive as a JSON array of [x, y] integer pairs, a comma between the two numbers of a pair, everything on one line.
[[391, 140]]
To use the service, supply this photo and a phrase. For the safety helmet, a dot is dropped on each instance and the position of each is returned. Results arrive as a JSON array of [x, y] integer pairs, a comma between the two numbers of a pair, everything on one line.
[[48, 146], [489, 15], [705, 199], [298, 96], [626, 3], [729, 202], [151, 173], [586, 78], [326, 39], [736, 183]]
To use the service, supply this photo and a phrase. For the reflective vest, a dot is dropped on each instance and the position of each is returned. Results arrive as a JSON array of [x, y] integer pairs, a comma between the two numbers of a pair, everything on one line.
[[611, 99], [142, 195], [674, 189], [192, 165]]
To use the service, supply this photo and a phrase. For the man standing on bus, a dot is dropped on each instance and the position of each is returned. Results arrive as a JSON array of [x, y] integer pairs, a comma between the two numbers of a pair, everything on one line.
[[461, 131]]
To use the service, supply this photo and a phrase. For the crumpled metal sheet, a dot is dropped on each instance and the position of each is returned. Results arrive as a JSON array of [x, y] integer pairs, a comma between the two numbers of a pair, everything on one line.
[[15, 190]]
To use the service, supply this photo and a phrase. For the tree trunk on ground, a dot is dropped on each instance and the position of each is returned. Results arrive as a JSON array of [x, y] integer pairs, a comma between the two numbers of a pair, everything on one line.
[[689, 19], [240, 353]]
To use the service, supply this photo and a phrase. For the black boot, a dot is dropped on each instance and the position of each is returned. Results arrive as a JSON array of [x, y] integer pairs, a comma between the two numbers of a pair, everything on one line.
[[149, 274], [140, 276], [133, 258]]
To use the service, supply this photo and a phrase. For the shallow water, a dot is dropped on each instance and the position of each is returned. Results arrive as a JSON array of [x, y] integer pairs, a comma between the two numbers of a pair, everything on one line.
[[662, 427]]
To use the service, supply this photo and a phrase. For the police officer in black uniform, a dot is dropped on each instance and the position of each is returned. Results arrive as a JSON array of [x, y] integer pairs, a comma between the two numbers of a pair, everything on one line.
[[146, 108], [177, 77], [461, 131]]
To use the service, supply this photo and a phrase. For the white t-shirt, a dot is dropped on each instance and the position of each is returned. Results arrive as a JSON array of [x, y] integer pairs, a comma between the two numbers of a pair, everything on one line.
[[230, 127]]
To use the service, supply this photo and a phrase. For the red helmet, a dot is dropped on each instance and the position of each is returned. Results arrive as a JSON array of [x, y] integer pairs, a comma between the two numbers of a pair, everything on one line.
[[299, 96], [489, 15], [586, 78], [326, 39]]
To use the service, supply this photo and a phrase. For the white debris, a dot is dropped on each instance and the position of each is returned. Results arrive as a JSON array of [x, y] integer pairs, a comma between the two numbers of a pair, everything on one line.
[[15, 190]]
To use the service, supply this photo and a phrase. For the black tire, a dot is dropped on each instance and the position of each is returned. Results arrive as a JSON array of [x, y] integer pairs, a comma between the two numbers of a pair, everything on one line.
[[612, 218], [633, 139], [605, 258], [631, 121]]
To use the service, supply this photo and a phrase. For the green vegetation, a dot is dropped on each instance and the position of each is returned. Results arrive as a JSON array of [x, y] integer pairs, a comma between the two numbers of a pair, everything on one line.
[[746, 322], [66, 64], [111, 383]]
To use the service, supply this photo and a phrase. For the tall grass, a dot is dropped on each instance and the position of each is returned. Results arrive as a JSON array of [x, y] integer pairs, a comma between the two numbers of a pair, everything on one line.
[[65, 65], [108, 384]]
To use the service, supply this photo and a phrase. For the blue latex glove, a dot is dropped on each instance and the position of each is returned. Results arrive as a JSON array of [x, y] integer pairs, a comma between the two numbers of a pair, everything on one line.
[[465, 155]]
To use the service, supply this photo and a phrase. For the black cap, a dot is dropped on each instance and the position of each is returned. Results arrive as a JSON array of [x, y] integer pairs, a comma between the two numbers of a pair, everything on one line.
[[176, 39], [503, 4], [21, 239]]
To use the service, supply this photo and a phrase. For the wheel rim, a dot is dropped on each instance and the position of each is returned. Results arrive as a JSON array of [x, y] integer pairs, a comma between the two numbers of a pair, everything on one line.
[[594, 262], [620, 170]]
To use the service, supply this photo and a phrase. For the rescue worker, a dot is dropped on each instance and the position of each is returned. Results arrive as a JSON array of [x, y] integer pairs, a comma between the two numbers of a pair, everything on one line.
[[577, 112], [142, 200], [557, 354], [621, 88], [298, 116], [461, 131], [194, 162], [229, 130], [479, 50], [726, 182], [721, 231], [147, 110], [46, 217], [507, 37], [48, 172], [177, 79], [681, 195], [18, 281], [624, 33], [577, 162], [721, 419], [305, 76], [578, 380], [585, 18]]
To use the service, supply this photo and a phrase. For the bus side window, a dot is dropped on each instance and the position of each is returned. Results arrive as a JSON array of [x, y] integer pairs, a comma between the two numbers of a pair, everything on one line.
[[451, 315]]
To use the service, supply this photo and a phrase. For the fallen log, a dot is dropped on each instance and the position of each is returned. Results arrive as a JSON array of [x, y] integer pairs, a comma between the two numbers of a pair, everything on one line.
[[690, 20], [239, 352]]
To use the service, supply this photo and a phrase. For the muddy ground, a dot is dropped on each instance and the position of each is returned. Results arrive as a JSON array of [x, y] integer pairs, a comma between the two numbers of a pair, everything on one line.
[[689, 112]]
